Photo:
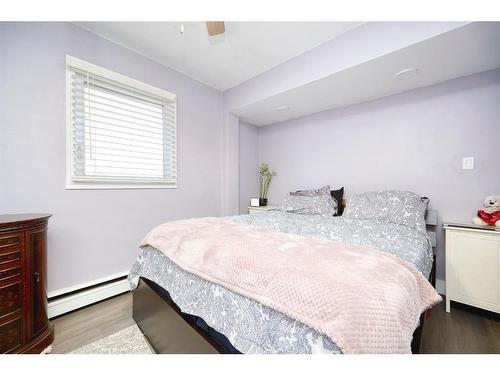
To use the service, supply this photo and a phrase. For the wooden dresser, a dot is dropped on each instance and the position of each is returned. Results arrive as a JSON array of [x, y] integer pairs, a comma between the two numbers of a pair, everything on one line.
[[24, 324]]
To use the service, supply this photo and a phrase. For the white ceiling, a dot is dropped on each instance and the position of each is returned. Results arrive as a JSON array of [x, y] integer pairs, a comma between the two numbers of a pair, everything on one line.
[[245, 50], [466, 50]]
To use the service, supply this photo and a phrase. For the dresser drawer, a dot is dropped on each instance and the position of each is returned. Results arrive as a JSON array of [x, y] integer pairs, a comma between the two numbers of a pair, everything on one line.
[[9, 255], [11, 335], [10, 298], [10, 270], [11, 239]]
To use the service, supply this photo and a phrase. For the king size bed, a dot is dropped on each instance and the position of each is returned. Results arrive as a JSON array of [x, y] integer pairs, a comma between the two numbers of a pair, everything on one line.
[[295, 280]]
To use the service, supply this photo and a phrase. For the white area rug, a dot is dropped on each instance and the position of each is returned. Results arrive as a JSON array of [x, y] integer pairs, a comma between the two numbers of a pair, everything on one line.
[[127, 341]]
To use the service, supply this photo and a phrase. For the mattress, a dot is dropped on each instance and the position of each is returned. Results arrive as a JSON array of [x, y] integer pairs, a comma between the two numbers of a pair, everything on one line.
[[251, 327]]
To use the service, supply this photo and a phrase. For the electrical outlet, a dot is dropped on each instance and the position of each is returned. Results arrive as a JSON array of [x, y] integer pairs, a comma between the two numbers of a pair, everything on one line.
[[468, 162]]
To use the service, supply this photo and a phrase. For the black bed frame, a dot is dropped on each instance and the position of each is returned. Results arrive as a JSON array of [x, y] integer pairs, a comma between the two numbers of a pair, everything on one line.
[[169, 330]]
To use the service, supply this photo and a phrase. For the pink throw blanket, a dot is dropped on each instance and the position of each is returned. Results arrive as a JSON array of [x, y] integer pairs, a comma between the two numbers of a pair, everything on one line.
[[366, 301]]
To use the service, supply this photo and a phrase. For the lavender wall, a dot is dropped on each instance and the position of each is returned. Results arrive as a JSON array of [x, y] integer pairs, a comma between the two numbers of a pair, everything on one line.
[[94, 233], [249, 164], [412, 141], [230, 191]]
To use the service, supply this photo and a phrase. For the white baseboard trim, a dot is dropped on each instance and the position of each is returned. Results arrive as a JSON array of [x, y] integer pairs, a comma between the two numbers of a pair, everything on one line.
[[87, 297], [86, 284], [441, 286]]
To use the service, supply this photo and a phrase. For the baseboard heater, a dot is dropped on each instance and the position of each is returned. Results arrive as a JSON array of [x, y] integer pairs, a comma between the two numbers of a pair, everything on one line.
[[88, 295]]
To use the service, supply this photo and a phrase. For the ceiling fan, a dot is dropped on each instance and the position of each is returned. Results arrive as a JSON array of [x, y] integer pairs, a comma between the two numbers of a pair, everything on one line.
[[215, 27]]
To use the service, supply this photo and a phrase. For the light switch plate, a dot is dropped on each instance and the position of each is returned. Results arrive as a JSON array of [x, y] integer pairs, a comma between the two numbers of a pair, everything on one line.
[[468, 162]]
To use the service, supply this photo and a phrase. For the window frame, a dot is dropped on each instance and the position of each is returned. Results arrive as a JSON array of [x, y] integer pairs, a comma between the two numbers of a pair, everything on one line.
[[72, 62]]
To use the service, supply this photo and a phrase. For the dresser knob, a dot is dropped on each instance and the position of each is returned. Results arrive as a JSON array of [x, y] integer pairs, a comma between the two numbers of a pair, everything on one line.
[[37, 277]]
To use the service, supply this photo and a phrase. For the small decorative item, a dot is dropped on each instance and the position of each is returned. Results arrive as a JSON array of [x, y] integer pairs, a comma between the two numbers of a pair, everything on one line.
[[254, 202], [265, 177], [489, 214]]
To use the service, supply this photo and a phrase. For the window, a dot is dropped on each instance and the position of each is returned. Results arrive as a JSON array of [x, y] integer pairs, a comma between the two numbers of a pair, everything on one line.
[[121, 132]]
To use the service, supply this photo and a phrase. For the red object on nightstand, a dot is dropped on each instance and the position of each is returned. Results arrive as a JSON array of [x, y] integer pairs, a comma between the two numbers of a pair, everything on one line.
[[489, 219]]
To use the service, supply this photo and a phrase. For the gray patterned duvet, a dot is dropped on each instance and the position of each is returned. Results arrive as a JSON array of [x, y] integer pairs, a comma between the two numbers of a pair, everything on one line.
[[252, 327]]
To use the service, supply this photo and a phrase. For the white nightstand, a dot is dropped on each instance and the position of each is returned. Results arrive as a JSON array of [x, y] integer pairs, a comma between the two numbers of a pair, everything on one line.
[[260, 209], [473, 266]]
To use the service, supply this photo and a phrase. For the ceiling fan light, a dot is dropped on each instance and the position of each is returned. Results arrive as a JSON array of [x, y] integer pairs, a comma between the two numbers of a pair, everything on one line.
[[406, 73]]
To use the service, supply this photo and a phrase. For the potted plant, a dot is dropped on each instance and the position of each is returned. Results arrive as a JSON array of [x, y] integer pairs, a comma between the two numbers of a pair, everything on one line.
[[265, 177]]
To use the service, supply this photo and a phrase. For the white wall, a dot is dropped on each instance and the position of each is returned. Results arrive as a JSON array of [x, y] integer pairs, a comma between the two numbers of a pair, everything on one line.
[[94, 233], [249, 164]]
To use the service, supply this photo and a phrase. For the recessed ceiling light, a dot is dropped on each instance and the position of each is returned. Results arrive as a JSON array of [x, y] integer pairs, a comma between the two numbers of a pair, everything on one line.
[[283, 109], [406, 73]]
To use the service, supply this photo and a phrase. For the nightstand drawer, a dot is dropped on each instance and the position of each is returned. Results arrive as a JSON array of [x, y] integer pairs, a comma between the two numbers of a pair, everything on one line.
[[260, 209], [475, 261], [473, 268]]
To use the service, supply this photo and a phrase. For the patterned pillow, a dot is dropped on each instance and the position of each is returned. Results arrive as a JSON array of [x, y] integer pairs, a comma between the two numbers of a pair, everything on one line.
[[336, 194], [310, 205], [321, 191], [392, 206]]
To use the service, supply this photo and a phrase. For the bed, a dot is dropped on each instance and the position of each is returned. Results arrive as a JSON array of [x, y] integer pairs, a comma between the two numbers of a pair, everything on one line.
[[182, 312]]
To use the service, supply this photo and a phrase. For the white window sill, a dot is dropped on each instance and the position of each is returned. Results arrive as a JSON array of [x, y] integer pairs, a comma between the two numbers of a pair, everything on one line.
[[118, 186]]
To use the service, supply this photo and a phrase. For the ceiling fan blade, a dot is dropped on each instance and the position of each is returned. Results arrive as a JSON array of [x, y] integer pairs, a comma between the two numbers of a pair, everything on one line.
[[215, 27]]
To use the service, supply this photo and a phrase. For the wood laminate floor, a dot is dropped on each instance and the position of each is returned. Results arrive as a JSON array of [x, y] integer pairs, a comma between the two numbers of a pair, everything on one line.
[[89, 324], [465, 330]]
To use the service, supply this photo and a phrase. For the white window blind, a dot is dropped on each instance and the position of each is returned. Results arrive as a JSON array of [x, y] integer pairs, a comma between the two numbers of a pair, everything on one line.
[[120, 133]]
